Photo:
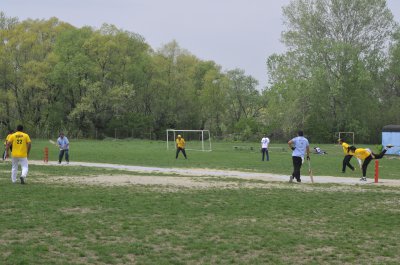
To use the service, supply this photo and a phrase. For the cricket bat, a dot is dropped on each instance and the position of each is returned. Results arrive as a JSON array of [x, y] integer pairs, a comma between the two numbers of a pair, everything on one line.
[[52, 142], [310, 172]]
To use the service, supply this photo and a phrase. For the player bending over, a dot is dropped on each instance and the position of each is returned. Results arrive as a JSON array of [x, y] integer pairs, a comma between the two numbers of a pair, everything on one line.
[[366, 155]]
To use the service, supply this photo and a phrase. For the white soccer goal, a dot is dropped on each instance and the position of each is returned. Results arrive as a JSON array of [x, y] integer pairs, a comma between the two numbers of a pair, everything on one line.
[[197, 140], [347, 136]]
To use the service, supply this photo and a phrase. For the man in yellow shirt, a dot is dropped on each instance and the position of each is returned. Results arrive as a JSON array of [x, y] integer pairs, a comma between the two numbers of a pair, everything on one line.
[[180, 146], [347, 155], [366, 156], [21, 146]]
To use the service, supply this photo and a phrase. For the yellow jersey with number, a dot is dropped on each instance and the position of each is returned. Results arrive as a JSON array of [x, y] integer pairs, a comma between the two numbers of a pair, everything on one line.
[[180, 143], [362, 153], [19, 141]]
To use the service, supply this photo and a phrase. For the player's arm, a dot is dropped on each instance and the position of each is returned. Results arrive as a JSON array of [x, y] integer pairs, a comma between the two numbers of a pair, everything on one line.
[[8, 144], [29, 147], [290, 143]]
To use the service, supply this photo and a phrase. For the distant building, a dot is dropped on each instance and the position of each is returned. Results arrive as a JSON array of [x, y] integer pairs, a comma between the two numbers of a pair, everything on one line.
[[391, 135]]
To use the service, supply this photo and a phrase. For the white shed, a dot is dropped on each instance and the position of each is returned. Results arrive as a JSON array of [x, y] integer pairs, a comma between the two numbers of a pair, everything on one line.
[[391, 135]]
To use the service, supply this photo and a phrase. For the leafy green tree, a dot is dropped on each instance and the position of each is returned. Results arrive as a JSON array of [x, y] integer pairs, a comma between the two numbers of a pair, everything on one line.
[[336, 50], [93, 67], [6, 97], [28, 47], [94, 82], [390, 92], [213, 100], [244, 100], [175, 102], [73, 69]]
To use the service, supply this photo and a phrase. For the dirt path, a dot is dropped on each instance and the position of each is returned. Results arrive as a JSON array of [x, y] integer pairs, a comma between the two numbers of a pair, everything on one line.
[[186, 176]]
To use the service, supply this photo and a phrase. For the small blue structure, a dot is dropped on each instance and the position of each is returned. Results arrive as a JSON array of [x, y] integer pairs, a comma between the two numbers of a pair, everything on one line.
[[391, 135]]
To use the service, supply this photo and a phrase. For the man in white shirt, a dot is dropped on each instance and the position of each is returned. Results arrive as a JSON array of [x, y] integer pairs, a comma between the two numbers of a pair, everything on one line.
[[300, 147], [264, 148]]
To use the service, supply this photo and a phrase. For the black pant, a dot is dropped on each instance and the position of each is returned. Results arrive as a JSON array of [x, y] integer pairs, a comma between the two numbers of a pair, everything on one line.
[[368, 160], [61, 155], [297, 162], [264, 152], [346, 162], [179, 149]]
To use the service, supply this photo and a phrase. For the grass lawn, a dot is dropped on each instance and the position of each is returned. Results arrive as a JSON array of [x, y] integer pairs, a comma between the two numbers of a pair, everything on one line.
[[50, 222]]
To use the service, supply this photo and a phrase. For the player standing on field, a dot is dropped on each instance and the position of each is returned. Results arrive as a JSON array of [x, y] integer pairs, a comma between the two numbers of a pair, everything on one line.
[[63, 144], [264, 147], [180, 146], [348, 155], [300, 147], [21, 146]]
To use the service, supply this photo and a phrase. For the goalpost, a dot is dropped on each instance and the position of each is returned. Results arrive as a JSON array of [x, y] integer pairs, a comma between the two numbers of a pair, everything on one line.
[[344, 134], [196, 140]]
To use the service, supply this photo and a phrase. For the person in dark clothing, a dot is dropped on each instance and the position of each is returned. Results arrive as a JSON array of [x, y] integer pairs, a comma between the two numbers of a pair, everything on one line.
[[347, 155]]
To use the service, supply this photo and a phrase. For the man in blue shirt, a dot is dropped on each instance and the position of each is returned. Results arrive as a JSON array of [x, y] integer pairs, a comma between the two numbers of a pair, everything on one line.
[[300, 147], [63, 144]]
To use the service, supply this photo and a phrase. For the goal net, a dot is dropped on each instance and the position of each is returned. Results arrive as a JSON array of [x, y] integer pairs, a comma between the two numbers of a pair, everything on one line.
[[348, 136], [197, 140]]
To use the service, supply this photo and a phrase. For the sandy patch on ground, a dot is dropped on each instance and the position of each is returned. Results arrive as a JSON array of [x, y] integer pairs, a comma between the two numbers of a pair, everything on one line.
[[122, 180]]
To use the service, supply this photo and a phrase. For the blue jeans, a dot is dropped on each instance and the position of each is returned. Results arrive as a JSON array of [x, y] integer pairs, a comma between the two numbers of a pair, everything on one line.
[[61, 155], [264, 152]]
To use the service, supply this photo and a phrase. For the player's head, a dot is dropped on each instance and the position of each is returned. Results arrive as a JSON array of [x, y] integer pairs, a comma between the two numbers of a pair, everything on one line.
[[341, 140], [179, 136], [351, 148], [300, 133], [20, 128], [61, 134]]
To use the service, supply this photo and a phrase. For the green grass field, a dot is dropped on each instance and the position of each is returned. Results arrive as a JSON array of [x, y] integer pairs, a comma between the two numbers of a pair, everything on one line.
[[56, 222]]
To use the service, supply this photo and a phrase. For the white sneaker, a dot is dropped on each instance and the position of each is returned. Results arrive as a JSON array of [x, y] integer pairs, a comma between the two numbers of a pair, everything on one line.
[[363, 179]]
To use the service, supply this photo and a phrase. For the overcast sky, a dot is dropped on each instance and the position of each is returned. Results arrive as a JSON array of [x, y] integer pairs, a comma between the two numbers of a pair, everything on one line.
[[233, 33]]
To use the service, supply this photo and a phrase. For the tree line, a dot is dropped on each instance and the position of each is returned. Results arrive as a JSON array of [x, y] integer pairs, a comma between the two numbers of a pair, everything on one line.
[[341, 72]]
